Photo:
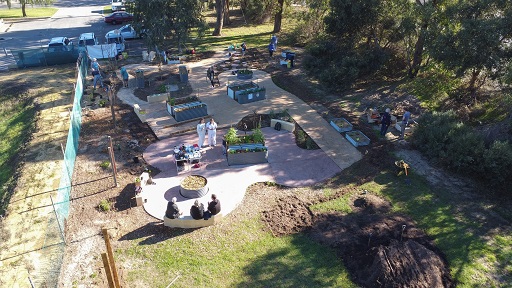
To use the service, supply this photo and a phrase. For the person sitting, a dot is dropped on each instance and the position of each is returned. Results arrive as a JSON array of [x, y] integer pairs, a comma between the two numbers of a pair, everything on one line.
[[172, 211], [213, 208], [197, 210]]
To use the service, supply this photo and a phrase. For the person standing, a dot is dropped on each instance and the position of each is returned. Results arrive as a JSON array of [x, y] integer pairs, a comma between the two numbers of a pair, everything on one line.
[[201, 132], [405, 122], [244, 48], [271, 49], [95, 66], [125, 76], [273, 40], [210, 74], [385, 122], [212, 132]]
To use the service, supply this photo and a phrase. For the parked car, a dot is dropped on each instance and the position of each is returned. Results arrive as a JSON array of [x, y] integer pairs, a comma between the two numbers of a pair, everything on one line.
[[118, 5], [58, 44], [115, 36], [129, 32], [118, 17]]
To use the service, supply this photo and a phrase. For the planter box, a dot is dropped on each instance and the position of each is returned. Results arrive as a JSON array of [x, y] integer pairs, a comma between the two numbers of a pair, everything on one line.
[[193, 110], [157, 97], [357, 138], [140, 113], [408, 129], [244, 76], [236, 88], [251, 97], [247, 158], [341, 124]]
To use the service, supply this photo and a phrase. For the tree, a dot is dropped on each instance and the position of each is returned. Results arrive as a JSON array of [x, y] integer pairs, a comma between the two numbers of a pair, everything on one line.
[[24, 3], [279, 16], [165, 19], [474, 37], [220, 6]]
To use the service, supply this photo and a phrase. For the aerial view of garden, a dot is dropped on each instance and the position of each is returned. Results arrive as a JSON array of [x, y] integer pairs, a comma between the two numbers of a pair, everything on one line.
[[422, 201]]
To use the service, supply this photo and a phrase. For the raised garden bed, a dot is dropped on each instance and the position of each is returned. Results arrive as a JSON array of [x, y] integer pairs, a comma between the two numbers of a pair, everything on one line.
[[235, 89], [341, 125], [245, 154], [357, 138], [193, 186], [246, 92], [188, 111], [244, 74]]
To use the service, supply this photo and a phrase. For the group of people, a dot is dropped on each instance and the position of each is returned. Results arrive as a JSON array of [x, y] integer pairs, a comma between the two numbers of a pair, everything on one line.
[[209, 128], [386, 121], [197, 210]]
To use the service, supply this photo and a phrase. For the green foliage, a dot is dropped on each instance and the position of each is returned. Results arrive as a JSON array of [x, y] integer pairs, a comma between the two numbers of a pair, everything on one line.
[[257, 136], [102, 103], [231, 137], [258, 11], [31, 12], [453, 144], [105, 164], [104, 205], [433, 87], [172, 100], [162, 88]]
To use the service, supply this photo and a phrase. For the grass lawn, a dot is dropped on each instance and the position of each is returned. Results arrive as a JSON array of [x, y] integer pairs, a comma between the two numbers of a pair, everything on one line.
[[16, 118], [241, 255], [31, 12], [477, 253]]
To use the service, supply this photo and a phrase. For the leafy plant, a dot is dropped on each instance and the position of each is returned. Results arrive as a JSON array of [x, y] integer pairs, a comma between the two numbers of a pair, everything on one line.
[[257, 136], [245, 72], [162, 88], [102, 103], [231, 137], [172, 101], [104, 205], [105, 164], [137, 180]]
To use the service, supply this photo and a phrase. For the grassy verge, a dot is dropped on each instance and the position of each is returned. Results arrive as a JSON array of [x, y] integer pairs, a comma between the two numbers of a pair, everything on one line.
[[242, 255], [477, 253], [31, 12]]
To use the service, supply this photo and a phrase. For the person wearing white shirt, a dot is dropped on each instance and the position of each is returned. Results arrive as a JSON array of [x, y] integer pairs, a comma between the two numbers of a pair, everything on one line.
[[201, 132], [212, 132]]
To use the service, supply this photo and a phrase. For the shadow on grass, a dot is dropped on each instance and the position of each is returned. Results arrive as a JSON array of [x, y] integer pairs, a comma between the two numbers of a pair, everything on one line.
[[153, 233]]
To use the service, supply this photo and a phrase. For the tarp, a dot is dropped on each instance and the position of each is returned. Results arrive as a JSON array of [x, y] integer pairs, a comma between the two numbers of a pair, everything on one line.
[[102, 51]]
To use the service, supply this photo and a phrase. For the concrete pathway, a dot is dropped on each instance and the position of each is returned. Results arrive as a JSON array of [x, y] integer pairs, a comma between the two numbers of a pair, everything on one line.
[[228, 112], [287, 165]]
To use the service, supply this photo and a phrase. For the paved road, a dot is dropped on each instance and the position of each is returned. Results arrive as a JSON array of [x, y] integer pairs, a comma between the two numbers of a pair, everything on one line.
[[72, 19]]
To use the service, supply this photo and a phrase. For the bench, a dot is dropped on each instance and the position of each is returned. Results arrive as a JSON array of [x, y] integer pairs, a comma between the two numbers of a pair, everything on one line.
[[284, 124], [189, 222]]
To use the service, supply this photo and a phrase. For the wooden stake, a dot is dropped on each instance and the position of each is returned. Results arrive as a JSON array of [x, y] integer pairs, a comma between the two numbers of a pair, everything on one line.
[[111, 257], [104, 257]]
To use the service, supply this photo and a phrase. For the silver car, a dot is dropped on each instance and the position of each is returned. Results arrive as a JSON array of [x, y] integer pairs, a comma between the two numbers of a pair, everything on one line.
[[128, 32]]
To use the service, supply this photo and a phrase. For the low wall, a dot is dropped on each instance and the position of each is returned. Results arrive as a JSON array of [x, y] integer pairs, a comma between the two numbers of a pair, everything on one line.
[[284, 124], [157, 97], [189, 222]]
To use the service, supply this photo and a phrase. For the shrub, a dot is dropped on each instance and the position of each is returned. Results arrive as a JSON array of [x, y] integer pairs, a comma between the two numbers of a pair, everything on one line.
[[454, 145], [104, 205], [105, 164]]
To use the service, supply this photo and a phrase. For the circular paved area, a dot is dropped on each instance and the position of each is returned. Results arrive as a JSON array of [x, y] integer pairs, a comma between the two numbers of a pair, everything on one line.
[[287, 165]]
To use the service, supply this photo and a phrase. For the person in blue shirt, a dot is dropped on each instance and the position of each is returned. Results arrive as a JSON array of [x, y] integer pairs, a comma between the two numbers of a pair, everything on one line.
[[405, 122], [271, 49], [124, 75], [273, 40]]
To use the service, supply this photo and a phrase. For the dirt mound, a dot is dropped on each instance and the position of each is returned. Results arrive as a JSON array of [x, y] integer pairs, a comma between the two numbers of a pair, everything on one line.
[[290, 215], [405, 264], [380, 249]]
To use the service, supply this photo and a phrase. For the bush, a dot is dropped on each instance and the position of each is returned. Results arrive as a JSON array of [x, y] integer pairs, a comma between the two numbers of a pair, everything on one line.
[[440, 136], [105, 164], [104, 205]]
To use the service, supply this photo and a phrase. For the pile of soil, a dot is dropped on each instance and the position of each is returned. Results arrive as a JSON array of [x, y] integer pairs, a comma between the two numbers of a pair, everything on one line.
[[379, 248]]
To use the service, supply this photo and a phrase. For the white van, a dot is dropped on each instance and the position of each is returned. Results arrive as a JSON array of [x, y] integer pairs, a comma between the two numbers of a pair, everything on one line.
[[87, 39], [118, 5], [116, 37]]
